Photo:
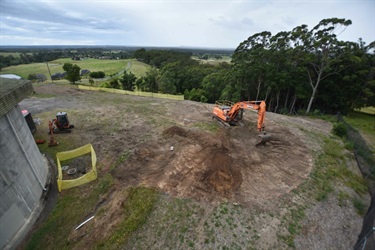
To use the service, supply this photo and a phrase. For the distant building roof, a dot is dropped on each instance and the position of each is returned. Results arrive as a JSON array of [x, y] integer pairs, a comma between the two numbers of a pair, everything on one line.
[[13, 91]]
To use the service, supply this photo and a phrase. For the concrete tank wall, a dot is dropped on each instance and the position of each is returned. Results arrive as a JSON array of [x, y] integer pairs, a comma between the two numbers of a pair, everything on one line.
[[24, 174]]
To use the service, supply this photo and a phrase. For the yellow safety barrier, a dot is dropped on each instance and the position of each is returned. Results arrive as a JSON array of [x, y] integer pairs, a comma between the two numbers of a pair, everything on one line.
[[138, 93], [67, 155]]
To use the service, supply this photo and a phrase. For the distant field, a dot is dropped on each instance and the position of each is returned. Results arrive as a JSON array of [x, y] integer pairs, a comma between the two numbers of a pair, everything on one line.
[[213, 61], [368, 110], [109, 67], [14, 54]]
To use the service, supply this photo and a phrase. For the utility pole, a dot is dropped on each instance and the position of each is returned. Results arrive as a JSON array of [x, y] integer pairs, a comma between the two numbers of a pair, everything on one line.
[[49, 72]]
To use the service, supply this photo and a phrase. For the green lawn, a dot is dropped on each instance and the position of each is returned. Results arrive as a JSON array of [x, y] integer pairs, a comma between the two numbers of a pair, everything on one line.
[[368, 110], [109, 67], [365, 123]]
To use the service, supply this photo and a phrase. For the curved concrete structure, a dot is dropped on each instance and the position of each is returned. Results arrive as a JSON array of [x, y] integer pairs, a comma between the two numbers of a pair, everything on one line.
[[24, 172]]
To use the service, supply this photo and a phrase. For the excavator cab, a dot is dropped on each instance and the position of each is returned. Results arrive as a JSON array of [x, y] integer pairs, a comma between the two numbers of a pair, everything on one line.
[[60, 124], [62, 120]]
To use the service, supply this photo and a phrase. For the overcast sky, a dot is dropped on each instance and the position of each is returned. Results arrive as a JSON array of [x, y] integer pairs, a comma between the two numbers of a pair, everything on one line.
[[204, 23]]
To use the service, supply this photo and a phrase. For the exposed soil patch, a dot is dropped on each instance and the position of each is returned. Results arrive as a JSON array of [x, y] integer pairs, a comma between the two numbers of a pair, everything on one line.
[[226, 165]]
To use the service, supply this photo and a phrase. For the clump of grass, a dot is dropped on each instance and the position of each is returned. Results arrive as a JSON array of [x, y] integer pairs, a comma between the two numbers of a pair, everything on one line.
[[122, 158], [330, 167], [339, 129], [294, 224], [288, 239], [355, 182], [349, 145], [104, 185], [292, 221], [342, 197], [139, 204], [324, 170], [210, 127], [359, 205]]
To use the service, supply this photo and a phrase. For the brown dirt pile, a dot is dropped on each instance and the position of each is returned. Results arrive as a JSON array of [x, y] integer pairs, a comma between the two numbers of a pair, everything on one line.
[[199, 165], [225, 165]]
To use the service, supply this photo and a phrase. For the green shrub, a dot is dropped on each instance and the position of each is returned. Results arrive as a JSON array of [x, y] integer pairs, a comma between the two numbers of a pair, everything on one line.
[[91, 81], [316, 112], [284, 111], [349, 145], [301, 112], [97, 74], [359, 206], [105, 85], [203, 99], [339, 129]]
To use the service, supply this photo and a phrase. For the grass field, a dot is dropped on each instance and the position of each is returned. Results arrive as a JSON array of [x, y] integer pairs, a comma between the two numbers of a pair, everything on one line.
[[365, 123], [14, 54], [213, 61], [109, 67], [368, 110]]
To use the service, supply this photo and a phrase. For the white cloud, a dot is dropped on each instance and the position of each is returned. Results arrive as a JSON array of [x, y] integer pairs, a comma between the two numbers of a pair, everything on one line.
[[34, 40], [171, 23]]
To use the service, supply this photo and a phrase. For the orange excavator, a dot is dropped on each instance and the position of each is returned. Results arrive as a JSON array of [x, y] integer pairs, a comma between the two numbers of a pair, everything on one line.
[[231, 114], [60, 124]]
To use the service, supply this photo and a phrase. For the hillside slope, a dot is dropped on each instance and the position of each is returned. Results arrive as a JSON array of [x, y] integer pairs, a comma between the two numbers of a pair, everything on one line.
[[214, 187]]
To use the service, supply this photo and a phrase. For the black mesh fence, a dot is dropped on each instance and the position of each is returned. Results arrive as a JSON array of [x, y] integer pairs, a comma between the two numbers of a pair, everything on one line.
[[366, 162]]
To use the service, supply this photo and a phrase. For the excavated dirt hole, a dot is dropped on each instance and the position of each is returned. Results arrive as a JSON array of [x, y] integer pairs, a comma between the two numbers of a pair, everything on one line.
[[220, 174], [226, 165], [76, 167]]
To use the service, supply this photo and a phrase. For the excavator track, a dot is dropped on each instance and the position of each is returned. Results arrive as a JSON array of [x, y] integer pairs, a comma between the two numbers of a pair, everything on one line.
[[221, 123]]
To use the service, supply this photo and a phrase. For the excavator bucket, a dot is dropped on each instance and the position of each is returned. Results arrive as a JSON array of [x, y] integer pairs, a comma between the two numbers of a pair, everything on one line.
[[262, 139]]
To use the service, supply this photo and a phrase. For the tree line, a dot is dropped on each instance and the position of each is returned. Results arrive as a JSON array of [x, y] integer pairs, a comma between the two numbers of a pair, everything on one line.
[[299, 70], [293, 71], [305, 68]]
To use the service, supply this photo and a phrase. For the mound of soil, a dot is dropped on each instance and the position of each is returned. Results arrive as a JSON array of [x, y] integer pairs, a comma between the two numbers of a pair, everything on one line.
[[226, 165]]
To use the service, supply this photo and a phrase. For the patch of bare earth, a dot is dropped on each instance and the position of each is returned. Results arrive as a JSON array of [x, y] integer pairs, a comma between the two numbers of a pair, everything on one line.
[[205, 166]]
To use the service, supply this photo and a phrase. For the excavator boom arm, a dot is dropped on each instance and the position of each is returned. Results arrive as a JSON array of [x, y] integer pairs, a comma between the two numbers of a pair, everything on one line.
[[254, 105], [231, 113]]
